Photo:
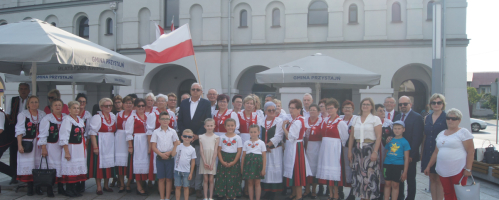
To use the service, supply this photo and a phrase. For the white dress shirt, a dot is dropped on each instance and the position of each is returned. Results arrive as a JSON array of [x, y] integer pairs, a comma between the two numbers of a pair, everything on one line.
[[194, 106], [391, 114]]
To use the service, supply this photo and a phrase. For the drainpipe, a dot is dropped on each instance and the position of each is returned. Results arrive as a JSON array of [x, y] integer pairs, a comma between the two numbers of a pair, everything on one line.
[[444, 44], [114, 7], [228, 51]]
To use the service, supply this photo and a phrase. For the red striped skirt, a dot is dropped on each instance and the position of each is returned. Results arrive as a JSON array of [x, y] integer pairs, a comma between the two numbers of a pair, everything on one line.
[[299, 170]]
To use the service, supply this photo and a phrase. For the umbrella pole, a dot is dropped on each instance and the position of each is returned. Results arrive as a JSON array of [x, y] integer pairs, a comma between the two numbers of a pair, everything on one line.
[[33, 77], [73, 86], [317, 92]]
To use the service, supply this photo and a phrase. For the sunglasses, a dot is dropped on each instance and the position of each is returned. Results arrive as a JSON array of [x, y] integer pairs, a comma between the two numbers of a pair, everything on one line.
[[187, 136], [271, 110], [107, 106], [436, 103], [164, 119], [140, 106], [452, 118], [403, 104], [196, 89]]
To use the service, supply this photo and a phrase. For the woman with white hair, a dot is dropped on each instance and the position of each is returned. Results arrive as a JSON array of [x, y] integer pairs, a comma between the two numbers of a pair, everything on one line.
[[101, 145], [272, 134], [454, 154], [150, 101]]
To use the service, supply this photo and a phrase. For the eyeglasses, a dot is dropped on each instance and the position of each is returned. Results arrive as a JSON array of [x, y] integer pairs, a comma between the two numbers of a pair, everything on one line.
[[349, 108], [187, 136], [164, 119], [452, 118], [51, 98], [366, 104], [82, 102], [403, 104], [330, 108], [107, 106], [195, 89], [271, 110], [141, 106], [436, 102], [291, 108]]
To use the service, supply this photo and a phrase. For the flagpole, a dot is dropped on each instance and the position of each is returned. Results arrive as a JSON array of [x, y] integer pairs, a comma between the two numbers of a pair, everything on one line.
[[195, 60]]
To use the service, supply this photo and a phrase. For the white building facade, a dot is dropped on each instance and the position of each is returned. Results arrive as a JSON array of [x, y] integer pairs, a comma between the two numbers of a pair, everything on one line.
[[389, 37]]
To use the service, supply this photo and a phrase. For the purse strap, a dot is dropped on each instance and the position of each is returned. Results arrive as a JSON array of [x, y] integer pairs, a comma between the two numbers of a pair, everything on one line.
[[467, 183], [490, 143], [46, 162]]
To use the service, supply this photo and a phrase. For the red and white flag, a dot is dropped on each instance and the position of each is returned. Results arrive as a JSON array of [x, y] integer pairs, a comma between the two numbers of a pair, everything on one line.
[[159, 30], [172, 27], [170, 47]]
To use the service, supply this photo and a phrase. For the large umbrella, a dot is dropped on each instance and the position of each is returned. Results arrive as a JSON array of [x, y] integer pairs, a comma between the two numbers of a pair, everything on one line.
[[32, 44]]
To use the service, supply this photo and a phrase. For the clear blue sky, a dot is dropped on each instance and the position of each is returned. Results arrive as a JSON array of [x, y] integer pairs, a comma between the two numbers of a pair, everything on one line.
[[482, 27]]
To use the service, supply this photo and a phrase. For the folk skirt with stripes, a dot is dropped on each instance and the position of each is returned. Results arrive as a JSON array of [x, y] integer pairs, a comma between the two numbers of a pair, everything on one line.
[[299, 170], [93, 164]]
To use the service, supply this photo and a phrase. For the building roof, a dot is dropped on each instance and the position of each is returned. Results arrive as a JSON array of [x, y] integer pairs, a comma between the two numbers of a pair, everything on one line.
[[483, 78]]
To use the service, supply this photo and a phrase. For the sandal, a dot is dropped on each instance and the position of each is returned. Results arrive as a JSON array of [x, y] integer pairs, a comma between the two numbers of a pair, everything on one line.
[[307, 195], [290, 198]]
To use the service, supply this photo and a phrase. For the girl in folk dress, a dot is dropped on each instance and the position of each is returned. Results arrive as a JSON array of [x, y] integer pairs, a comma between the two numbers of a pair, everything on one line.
[[85, 116], [27, 130], [152, 123], [228, 176], [100, 153], [73, 158], [313, 140], [254, 162], [121, 145], [296, 167], [208, 144], [272, 135], [48, 140], [223, 113], [135, 129], [334, 133]]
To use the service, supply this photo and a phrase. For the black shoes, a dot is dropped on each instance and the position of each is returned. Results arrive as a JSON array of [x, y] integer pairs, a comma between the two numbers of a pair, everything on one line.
[[30, 189], [50, 192]]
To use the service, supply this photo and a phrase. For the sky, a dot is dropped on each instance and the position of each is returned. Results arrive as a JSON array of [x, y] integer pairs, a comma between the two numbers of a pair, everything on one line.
[[482, 27]]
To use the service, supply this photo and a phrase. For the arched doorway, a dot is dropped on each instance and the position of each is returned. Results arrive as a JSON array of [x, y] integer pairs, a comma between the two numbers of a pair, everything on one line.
[[415, 90], [246, 83], [185, 87], [170, 78]]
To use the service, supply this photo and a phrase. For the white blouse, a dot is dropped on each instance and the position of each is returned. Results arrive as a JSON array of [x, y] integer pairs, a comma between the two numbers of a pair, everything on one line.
[[365, 130], [279, 132], [45, 126], [151, 121], [230, 145], [130, 125], [451, 157], [256, 147], [294, 130], [21, 119], [86, 118], [65, 130], [349, 123], [97, 120]]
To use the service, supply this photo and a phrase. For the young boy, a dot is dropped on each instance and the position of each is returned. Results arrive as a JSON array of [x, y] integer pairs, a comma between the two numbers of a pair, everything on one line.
[[164, 142], [185, 156], [396, 161]]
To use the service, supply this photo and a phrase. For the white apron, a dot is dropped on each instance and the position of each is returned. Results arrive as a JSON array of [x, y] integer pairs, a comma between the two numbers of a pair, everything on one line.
[[54, 157], [140, 156], [120, 149], [329, 166], [29, 161], [289, 159], [273, 169], [78, 163], [106, 150], [312, 152]]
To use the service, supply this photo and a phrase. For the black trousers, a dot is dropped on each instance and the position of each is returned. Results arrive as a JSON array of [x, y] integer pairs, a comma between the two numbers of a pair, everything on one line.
[[10, 170], [411, 183]]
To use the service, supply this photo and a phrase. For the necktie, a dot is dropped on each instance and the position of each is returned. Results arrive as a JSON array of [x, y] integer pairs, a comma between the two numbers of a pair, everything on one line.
[[389, 116], [403, 117]]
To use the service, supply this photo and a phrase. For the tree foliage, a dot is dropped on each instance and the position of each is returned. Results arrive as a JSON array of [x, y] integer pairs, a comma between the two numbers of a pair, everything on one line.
[[473, 96]]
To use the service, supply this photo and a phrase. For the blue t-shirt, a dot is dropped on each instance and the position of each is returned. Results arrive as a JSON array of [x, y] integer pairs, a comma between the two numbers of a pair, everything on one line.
[[396, 149]]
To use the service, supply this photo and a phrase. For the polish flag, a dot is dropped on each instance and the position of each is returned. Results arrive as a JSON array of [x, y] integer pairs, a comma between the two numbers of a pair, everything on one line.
[[159, 31], [170, 47]]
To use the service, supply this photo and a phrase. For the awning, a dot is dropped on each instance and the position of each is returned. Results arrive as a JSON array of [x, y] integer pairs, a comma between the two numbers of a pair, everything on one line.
[[68, 79]]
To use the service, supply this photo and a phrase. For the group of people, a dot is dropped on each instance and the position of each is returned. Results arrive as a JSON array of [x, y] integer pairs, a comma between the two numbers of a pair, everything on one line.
[[206, 148]]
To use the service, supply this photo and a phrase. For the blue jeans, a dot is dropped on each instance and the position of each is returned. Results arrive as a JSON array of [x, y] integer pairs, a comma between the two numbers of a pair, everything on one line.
[[181, 179]]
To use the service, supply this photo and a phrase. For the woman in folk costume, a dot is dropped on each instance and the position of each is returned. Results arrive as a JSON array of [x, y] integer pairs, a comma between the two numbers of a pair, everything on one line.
[[73, 157], [247, 117], [48, 139], [296, 167], [138, 145], [271, 135], [323, 112], [101, 145], [121, 145], [348, 109], [150, 102], [27, 130], [279, 112], [313, 140], [85, 116], [334, 136], [152, 123], [222, 114]]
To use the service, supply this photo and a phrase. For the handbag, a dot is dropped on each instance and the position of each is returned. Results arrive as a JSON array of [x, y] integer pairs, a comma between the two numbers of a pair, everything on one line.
[[467, 192], [43, 177], [480, 152], [491, 156], [28, 145]]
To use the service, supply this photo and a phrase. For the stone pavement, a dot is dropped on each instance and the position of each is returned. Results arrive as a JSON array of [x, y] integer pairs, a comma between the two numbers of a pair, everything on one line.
[[488, 190]]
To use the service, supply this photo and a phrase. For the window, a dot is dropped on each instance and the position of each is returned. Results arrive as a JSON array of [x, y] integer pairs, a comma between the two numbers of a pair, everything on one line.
[[83, 29], [54, 24], [429, 11], [396, 12], [276, 17], [172, 12], [243, 19], [317, 13], [109, 26], [352, 14]]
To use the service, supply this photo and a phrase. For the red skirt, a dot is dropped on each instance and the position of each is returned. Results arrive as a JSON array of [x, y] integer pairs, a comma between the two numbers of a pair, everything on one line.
[[25, 178], [72, 178], [129, 171], [151, 175], [299, 170]]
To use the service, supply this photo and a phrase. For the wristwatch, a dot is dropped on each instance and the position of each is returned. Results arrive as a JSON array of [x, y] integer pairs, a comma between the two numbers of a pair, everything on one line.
[[469, 170]]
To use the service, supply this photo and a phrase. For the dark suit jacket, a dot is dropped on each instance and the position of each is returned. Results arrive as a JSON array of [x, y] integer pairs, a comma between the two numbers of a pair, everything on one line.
[[414, 127], [196, 124]]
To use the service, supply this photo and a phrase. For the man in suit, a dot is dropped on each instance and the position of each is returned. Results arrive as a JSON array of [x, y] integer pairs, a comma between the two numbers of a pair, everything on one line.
[[390, 111], [16, 106], [191, 115], [212, 97], [414, 127]]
